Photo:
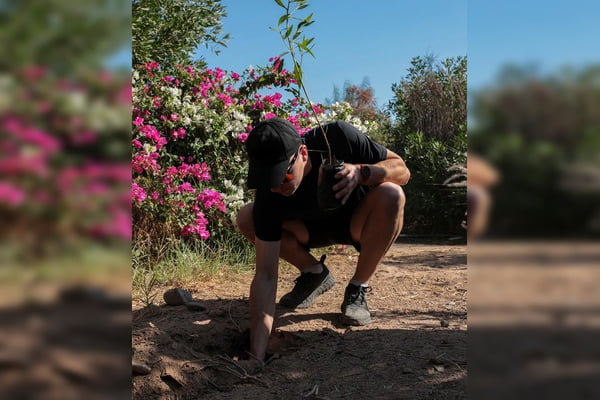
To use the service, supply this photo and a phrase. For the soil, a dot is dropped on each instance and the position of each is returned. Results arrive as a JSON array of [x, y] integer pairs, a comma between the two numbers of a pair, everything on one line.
[[66, 343], [415, 348]]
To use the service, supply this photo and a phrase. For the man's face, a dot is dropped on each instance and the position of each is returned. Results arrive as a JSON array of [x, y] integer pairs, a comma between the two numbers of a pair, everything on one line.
[[294, 174]]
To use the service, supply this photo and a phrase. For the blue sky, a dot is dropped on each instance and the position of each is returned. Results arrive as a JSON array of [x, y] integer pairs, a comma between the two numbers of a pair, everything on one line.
[[547, 34], [353, 39]]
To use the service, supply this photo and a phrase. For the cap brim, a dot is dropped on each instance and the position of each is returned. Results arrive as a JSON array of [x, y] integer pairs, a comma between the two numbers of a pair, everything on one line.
[[266, 177]]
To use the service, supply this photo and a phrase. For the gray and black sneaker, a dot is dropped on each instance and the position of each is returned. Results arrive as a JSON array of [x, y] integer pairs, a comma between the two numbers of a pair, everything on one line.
[[308, 287], [354, 308]]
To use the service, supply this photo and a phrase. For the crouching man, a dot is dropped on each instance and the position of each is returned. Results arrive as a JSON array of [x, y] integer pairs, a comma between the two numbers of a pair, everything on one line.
[[285, 220]]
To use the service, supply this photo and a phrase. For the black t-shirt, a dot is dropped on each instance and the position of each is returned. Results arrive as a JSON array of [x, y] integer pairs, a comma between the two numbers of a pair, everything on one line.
[[348, 144]]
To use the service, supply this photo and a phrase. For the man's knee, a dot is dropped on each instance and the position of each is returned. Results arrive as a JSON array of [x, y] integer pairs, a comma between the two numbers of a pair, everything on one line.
[[245, 220], [390, 197]]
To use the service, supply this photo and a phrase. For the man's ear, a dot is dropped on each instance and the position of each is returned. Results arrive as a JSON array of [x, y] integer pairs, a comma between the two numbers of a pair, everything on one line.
[[304, 152]]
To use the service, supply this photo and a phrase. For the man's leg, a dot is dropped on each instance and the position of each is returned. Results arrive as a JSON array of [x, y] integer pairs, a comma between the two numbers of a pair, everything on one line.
[[375, 224], [315, 278], [293, 238]]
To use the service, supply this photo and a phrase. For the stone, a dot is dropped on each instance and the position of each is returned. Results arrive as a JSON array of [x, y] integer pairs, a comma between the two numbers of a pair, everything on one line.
[[140, 368], [177, 297]]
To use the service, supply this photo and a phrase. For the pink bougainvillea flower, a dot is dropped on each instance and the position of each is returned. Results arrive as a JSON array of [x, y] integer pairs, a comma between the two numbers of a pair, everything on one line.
[[242, 137], [152, 65], [138, 121], [211, 198], [185, 187], [137, 193]]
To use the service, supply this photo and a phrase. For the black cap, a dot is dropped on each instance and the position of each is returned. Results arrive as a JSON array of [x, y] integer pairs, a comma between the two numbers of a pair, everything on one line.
[[270, 145]]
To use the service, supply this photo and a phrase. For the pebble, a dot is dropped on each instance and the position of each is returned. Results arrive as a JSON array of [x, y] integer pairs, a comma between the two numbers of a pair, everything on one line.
[[140, 368], [177, 297]]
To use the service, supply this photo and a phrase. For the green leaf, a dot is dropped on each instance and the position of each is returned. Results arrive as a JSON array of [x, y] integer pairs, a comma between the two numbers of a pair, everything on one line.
[[282, 19], [280, 3], [298, 73], [288, 32]]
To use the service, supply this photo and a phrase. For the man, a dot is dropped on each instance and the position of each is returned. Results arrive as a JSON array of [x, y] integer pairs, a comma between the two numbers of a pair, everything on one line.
[[285, 220], [481, 177]]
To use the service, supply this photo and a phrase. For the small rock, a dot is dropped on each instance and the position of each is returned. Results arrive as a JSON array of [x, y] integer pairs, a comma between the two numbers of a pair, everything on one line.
[[140, 368], [444, 323], [177, 297], [439, 368]]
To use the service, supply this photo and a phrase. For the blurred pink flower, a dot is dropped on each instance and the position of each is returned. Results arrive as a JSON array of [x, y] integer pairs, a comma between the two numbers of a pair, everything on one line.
[[11, 194]]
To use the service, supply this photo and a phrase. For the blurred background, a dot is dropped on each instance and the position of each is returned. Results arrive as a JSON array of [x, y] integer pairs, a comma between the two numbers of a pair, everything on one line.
[[65, 184], [534, 199]]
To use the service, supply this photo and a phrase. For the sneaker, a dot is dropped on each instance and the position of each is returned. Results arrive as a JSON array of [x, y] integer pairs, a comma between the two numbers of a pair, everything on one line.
[[308, 287], [354, 308]]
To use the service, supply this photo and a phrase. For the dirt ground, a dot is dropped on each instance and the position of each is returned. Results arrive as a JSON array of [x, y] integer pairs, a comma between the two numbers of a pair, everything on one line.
[[415, 348]]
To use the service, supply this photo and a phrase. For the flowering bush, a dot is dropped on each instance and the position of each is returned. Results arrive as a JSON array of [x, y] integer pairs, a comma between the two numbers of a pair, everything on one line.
[[63, 172], [189, 163]]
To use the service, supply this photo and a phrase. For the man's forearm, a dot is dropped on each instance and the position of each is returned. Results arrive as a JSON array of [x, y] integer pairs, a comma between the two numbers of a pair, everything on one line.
[[262, 309], [262, 296], [391, 170]]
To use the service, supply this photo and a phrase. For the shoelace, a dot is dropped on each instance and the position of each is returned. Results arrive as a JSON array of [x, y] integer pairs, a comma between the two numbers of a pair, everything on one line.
[[360, 294]]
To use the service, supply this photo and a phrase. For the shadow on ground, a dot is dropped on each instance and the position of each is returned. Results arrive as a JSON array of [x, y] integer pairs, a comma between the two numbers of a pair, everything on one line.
[[191, 356]]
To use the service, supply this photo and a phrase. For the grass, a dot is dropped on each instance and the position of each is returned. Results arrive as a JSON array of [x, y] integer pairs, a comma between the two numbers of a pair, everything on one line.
[[179, 264]]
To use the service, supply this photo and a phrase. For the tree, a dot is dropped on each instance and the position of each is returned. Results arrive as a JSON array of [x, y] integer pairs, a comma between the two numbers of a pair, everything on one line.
[[362, 101], [542, 133], [432, 98], [169, 31], [62, 35]]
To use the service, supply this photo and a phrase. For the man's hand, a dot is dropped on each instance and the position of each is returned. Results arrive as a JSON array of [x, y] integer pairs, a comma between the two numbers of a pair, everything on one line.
[[348, 179], [252, 366]]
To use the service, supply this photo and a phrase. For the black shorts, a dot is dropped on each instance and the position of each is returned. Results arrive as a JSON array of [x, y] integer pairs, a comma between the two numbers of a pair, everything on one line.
[[331, 230]]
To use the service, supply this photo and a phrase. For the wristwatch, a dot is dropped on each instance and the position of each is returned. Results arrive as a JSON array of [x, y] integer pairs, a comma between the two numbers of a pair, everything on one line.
[[365, 173]]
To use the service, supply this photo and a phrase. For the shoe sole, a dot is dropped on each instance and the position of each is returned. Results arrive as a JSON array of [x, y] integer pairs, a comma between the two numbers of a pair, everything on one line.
[[327, 284], [345, 320]]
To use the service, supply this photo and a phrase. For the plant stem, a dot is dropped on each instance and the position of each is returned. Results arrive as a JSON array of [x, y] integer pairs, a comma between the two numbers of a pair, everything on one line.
[[301, 85]]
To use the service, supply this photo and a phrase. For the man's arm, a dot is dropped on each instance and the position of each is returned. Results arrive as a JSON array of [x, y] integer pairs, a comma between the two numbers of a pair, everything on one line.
[[262, 296], [392, 169]]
